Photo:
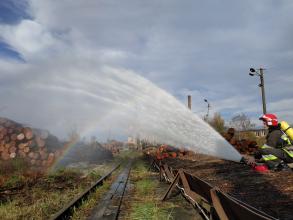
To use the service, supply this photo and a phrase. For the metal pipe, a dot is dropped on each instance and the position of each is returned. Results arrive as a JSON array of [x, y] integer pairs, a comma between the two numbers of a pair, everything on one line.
[[189, 101]]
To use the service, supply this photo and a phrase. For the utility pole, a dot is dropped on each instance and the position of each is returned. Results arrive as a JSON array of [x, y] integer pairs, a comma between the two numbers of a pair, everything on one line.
[[207, 115], [260, 73], [262, 86]]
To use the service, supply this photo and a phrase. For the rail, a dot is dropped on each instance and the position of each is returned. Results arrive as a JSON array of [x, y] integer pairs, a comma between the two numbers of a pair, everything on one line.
[[68, 210], [109, 207]]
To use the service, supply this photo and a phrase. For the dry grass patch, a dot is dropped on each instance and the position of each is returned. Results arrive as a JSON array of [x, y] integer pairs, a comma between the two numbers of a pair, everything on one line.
[[85, 209], [39, 197], [37, 205]]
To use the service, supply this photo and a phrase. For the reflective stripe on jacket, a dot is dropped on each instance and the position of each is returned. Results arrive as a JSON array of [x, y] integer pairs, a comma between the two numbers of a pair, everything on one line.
[[265, 146], [269, 157], [288, 150], [286, 140]]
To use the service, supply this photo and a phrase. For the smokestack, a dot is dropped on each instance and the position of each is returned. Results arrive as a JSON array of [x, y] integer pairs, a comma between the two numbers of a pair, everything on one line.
[[189, 101]]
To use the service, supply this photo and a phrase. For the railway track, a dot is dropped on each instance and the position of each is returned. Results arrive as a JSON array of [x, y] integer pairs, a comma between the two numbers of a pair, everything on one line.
[[109, 207], [68, 210]]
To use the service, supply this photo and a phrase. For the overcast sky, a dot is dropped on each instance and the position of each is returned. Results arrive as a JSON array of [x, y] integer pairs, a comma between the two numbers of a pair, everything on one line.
[[202, 48]]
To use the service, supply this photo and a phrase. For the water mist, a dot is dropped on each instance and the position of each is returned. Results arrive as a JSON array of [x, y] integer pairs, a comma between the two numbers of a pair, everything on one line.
[[99, 100]]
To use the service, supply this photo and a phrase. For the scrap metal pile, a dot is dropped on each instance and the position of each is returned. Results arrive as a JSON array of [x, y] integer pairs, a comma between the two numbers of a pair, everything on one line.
[[270, 192]]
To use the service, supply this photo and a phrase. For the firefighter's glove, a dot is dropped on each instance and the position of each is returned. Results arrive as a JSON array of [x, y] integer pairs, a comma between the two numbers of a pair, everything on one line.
[[248, 160]]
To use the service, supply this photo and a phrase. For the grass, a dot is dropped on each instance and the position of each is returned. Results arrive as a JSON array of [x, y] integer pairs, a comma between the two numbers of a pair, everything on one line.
[[94, 175], [42, 197], [124, 156], [38, 205], [14, 181], [145, 186], [85, 209], [64, 175], [149, 211], [145, 200]]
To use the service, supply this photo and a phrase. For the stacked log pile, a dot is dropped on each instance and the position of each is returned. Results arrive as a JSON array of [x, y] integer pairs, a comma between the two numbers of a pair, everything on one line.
[[38, 147], [166, 151], [243, 146]]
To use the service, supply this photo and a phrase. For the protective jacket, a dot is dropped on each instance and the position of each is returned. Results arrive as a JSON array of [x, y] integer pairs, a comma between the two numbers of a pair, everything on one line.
[[274, 137], [273, 152]]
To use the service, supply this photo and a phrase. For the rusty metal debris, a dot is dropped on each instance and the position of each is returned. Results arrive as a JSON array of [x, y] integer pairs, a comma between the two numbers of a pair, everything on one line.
[[209, 200], [270, 192]]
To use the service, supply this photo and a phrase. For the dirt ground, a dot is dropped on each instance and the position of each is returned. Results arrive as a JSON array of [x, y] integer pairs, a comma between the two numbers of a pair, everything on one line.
[[270, 192]]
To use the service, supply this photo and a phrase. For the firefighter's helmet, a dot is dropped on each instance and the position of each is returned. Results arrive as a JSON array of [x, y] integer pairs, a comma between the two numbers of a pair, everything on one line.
[[269, 119]]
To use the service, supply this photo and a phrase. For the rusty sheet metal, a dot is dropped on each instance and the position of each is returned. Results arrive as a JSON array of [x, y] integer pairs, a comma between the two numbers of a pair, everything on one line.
[[199, 186], [270, 192], [211, 199], [228, 207]]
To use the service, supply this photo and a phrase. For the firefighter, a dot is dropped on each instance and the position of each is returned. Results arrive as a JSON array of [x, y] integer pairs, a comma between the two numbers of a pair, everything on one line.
[[272, 153]]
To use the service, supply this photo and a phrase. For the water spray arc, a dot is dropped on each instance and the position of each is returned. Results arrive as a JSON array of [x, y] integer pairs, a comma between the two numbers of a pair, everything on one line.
[[96, 98]]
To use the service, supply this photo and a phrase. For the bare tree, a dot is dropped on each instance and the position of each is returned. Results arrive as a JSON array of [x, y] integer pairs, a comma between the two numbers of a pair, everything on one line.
[[241, 122], [218, 123]]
